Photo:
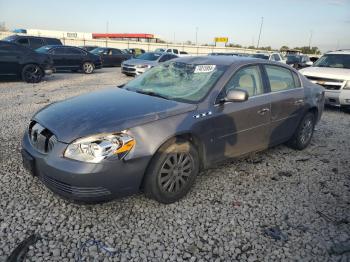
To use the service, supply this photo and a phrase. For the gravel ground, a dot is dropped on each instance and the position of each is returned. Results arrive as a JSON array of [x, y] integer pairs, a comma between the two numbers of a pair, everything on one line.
[[302, 197]]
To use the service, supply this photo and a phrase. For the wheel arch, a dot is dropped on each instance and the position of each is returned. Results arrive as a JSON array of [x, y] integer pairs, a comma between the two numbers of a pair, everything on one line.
[[180, 137]]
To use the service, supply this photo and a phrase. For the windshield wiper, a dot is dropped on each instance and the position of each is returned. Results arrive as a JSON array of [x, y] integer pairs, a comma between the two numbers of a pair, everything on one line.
[[151, 93]]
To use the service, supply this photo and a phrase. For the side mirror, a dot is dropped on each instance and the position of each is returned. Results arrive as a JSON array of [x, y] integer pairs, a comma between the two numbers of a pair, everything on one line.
[[236, 95]]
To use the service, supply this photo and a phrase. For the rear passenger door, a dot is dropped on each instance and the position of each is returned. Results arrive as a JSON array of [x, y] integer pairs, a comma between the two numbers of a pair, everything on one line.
[[74, 57], [287, 101], [58, 56]]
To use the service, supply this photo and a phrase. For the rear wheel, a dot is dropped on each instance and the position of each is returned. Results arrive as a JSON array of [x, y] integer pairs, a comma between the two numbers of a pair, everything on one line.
[[32, 73], [302, 136], [172, 172], [88, 67]]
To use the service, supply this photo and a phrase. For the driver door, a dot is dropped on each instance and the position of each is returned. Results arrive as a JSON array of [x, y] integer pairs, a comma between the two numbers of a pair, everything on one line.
[[242, 127]]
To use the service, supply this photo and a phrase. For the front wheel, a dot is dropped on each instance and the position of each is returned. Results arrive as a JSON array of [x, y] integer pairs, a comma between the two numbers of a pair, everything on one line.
[[88, 67], [303, 134], [32, 73], [172, 172]]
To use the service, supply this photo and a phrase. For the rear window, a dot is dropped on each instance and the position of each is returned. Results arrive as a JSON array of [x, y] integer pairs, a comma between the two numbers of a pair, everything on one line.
[[10, 38], [53, 41], [280, 78]]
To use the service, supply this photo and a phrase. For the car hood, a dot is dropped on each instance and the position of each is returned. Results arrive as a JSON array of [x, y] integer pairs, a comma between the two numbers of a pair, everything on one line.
[[327, 72], [108, 110], [140, 62]]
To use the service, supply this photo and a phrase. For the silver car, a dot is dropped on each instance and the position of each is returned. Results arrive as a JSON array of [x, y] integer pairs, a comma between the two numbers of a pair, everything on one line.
[[142, 63]]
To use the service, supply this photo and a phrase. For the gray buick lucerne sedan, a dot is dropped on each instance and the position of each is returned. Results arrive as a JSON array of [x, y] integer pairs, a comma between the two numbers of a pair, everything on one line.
[[155, 133]]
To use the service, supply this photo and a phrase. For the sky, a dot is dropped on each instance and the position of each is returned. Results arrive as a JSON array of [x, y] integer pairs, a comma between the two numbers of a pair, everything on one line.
[[286, 22]]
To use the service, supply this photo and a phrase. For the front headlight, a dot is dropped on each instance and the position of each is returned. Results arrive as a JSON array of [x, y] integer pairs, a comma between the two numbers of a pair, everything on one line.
[[143, 66], [347, 85], [94, 149]]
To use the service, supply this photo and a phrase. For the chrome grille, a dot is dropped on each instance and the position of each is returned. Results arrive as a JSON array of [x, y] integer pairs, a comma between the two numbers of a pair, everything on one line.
[[41, 138]]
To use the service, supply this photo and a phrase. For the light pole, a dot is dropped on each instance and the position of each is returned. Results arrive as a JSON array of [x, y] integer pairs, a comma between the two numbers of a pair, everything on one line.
[[261, 25], [310, 39], [107, 24], [196, 35]]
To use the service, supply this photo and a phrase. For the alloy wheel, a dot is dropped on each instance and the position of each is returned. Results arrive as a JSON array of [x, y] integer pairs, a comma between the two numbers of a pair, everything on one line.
[[175, 172], [306, 131], [32, 73], [88, 68]]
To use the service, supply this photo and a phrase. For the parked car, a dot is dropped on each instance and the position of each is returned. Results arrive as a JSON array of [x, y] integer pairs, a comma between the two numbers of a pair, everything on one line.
[[298, 61], [227, 54], [169, 50], [71, 58], [332, 71], [141, 63], [159, 130], [111, 56], [32, 42], [88, 47], [271, 57], [134, 51], [22, 62]]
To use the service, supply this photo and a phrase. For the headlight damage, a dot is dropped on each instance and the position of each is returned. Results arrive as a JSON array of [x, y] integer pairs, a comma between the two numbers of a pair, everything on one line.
[[94, 149]]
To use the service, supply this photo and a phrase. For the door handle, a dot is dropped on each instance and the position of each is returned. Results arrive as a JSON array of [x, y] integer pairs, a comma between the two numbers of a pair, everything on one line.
[[263, 111], [299, 102]]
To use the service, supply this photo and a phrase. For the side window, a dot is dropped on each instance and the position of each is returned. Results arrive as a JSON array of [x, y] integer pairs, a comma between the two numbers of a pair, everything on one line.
[[280, 78], [168, 50], [36, 42], [277, 57], [115, 52], [164, 58], [73, 51], [176, 51], [248, 79], [23, 41], [296, 80], [58, 51]]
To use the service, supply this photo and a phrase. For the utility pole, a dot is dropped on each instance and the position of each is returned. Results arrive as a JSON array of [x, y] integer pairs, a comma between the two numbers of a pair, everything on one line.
[[196, 35], [310, 39], [261, 25]]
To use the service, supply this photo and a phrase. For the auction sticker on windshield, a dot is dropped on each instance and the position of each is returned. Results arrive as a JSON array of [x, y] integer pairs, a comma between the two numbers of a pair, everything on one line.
[[204, 69]]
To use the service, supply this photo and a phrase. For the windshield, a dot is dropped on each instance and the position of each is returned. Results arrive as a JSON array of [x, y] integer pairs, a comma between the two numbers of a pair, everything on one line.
[[149, 56], [262, 56], [336, 61], [293, 59], [178, 81], [43, 49], [98, 51]]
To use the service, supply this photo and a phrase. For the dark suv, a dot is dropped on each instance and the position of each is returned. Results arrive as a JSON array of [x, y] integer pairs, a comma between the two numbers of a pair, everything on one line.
[[71, 58], [33, 42], [20, 61]]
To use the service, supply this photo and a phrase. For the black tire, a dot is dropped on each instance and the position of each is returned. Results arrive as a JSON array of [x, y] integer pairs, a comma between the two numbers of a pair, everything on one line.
[[88, 67], [172, 172], [303, 134], [32, 73]]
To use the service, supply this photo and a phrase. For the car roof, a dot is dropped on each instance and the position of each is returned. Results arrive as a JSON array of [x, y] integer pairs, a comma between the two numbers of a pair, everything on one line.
[[340, 52], [32, 36], [217, 60]]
